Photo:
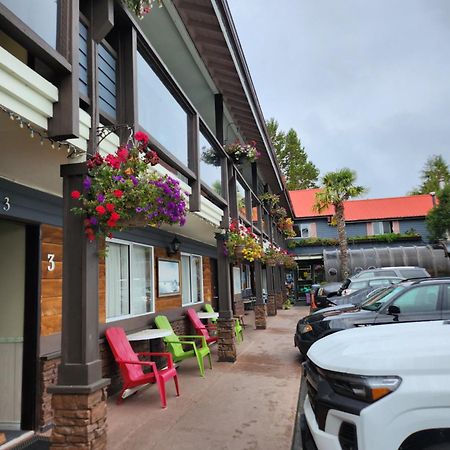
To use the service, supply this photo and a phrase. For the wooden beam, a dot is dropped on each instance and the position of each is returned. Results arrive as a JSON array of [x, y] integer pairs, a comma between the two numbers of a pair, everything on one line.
[[103, 18], [194, 162], [65, 123]]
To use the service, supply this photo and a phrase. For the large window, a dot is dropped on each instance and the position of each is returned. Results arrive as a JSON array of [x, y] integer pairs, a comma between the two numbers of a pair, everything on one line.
[[210, 170], [305, 230], [40, 15], [129, 279], [159, 113], [191, 279]]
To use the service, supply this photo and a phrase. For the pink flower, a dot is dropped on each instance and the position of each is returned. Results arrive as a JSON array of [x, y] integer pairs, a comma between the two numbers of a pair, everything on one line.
[[113, 161], [122, 154], [141, 137]]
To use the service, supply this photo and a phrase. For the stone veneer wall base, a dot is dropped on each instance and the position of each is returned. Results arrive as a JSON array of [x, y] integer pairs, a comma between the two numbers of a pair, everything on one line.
[[279, 300], [271, 305]]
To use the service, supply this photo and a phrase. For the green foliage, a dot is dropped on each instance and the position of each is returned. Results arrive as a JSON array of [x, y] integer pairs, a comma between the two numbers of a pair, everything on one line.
[[435, 170], [217, 187], [336, 188], [388, 237], [300, 173], [438, 219]]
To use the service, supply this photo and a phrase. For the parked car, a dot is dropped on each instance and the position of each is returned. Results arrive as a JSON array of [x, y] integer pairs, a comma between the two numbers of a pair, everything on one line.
[[405, 272], [326, 291], [379, 388], [416, 300], [352, 285], [358, 297]]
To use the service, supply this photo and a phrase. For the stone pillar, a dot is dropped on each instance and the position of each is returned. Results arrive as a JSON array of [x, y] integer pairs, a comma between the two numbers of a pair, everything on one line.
[[283, 283], [226, 344], [80, 387], [80, 420], [260, 317], [271, 305], [260, 307], [278, 287]]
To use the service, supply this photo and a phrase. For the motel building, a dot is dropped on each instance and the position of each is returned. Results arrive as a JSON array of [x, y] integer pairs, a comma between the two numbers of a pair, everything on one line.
[[81, 77]]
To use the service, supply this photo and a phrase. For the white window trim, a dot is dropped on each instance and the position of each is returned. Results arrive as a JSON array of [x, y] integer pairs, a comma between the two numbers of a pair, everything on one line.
[[130, 245], [201, 291], [377, 222], [302, 225]]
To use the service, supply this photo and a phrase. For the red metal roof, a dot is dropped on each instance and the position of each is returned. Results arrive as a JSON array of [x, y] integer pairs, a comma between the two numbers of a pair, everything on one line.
[[370, 209]]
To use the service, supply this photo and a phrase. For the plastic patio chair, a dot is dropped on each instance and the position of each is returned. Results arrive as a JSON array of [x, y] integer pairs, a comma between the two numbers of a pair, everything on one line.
[[131, 366], [200, 328], [238, 329], [176, 343]]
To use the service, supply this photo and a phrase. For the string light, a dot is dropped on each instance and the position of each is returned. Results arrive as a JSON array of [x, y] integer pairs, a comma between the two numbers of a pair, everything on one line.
[[72, 151]]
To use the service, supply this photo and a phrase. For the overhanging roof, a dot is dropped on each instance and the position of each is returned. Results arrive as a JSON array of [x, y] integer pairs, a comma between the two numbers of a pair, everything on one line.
[[211, 28]]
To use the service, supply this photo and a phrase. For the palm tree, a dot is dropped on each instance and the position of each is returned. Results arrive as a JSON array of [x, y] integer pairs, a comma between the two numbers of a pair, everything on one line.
[[336, 188]]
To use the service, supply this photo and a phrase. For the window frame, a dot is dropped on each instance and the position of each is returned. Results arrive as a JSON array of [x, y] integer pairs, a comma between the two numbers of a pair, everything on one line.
[[130, 245], [301, 231], [191, 255], [382, 222]]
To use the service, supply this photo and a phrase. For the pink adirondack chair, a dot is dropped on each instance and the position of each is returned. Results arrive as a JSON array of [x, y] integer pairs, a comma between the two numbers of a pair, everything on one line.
[[131, 366], [200, 328]]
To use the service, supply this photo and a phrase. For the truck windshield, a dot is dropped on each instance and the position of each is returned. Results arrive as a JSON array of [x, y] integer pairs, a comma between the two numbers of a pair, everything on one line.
[[374, 303]]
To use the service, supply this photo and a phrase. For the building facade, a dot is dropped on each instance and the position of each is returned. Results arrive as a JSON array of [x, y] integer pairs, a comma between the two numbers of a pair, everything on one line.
[[78, 77]]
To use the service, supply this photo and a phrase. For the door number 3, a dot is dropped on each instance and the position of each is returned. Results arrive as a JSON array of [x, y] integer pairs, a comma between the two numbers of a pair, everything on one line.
[[51, 262], [6, 204]]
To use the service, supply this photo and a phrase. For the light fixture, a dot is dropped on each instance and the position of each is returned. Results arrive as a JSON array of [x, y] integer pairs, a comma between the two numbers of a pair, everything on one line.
[[173, 247]]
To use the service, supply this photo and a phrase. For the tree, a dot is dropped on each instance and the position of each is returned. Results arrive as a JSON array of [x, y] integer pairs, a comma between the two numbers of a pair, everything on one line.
[[435, 171], [336, 188], [438, 219], [300, 173]]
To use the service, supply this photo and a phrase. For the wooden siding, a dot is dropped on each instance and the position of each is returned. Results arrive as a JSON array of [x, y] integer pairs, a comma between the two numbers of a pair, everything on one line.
[[107, 68], [83, 59], [51, 281]]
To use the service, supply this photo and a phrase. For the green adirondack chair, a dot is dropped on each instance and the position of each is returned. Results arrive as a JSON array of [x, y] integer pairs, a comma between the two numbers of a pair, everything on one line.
[[175, 344], [238, 330]]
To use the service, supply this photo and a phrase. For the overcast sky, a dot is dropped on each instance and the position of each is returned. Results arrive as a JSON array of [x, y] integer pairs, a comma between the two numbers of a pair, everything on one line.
[[365, 83]]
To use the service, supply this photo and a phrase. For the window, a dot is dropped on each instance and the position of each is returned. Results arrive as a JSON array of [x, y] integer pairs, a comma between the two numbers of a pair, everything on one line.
[[191, 279], [210, 170], [40, 15], [305, 230], [382, 227], [418, 300], [129, 279], [159, 113]]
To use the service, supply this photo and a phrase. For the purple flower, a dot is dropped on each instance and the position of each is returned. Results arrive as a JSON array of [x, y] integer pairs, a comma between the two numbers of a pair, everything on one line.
[[100, 198], [134, 180], [117, 178], [87, 183], [139, 209], [93, 221]]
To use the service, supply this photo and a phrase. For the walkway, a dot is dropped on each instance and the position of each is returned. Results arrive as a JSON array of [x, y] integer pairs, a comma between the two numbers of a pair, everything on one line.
[[248, 405]]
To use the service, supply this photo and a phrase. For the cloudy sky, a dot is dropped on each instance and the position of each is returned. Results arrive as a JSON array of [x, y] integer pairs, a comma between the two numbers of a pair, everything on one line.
[[365, 83]]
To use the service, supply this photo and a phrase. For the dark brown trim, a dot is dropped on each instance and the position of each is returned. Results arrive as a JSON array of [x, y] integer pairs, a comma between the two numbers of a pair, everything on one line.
[[194, 162], [232, 201], [217, 199], [218, 108], [30, 365], [103, 18], [29, 39], [65, 122], [127, 95]]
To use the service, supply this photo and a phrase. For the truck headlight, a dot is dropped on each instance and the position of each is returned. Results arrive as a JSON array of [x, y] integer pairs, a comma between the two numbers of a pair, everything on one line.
[[365, 388], [304, 328]]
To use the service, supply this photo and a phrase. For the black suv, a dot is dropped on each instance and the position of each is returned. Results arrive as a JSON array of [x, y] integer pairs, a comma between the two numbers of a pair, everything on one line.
[[409, 301]]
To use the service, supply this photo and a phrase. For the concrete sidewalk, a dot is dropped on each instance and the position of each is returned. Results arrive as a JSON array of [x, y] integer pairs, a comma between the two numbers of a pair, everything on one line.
[[250, 404]]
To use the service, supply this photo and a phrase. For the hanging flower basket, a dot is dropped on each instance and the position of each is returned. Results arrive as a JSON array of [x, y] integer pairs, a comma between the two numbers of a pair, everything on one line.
[[141, 7], [242, 244], [120, 192], [272, 262], [239, 251]]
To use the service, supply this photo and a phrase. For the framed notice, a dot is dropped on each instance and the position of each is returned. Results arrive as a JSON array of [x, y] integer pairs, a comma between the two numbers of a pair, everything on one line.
[[168, 277]]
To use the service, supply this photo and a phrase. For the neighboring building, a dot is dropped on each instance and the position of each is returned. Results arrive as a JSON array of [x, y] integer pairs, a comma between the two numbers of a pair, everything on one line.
[[370, 224], [66, 72]]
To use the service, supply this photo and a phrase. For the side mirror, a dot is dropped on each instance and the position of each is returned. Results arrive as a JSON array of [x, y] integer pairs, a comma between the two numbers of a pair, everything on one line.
[[393, 310]]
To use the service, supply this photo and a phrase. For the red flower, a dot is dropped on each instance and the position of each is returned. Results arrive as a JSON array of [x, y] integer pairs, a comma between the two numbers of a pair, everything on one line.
[[151, 157], [115, 217], [118, 193], [113, 161], [100, 210], [141, 137], [109, 207], [96, 160], [110, 235], [75, 195], [122, 154], [111, 223]]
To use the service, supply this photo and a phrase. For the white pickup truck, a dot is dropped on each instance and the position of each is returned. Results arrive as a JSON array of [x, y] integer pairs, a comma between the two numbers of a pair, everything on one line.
[[383, 387]]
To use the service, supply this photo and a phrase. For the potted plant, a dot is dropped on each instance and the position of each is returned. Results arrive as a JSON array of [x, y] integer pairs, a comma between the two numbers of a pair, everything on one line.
[[271, 255], [241, 153], [286, 226], [241, 243], [120, 191], [141, 7], [270, 200]]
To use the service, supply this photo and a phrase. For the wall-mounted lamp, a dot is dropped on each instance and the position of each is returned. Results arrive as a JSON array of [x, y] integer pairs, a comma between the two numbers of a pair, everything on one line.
[[173, 247]]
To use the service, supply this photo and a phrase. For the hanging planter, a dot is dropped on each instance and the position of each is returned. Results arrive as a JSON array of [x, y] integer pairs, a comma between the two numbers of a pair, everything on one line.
[[239, 251], [242, 153], [141, 7], [121, 192], [242, 244]]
